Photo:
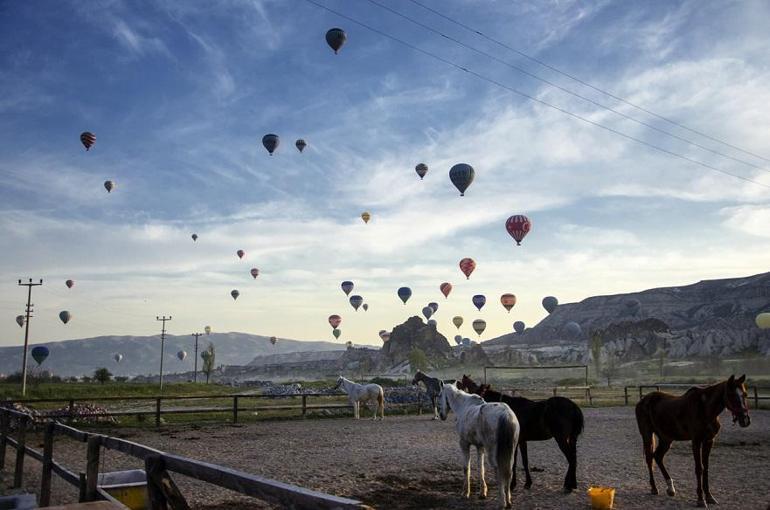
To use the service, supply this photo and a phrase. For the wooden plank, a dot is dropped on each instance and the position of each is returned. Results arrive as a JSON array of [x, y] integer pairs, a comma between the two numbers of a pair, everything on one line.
[[65, 474], [21, 425], [92, 467], [91, 505], [45, 477], [4, 429], [77, 435], [163, 492], [108, 498], [129, 448], [281, 493]]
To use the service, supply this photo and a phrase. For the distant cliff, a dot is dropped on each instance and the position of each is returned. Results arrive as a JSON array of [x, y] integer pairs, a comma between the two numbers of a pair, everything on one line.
[[414, 333]]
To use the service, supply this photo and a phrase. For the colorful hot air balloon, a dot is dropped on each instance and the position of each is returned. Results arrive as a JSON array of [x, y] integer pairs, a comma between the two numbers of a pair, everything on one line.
[[462, 176], [271, 142], [457, 321], [421, 170], [118, 358], [384, 335], [519, 327], [334, 321], [467, 265], [336, 332], [550, 303], [433, 305], [427, 312], [356, 301], [87, 139], [240, 253], [335, 38], [69, 283], [254, 272], [366, 216], [365, 306], [479, 300], [109, 186], [300, 144], [573, 329], [404, 293], [207, 330], [40, 353], [433, 323], [508, 301], [518, 226], [762, 320], [273, 340], [445, 288], [181, 355], [235, 294], [479, 325], [65, 316], [458, 339], [20, 320], [347, 287], [195, 237]]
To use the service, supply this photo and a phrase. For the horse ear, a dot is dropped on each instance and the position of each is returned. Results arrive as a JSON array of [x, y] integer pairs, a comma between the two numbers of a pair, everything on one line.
[[731, 380], [742, 379]]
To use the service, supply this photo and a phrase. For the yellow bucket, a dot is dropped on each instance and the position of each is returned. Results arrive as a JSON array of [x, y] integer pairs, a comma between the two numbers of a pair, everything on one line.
[[128, 487], [601, 498]]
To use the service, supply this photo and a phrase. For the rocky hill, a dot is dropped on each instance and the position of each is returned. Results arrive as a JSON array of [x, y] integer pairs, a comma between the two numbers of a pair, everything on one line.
[[709, 318], [414, 333]]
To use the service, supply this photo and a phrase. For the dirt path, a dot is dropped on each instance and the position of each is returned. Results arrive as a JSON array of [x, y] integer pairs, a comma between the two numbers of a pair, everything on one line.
[[412, 462]]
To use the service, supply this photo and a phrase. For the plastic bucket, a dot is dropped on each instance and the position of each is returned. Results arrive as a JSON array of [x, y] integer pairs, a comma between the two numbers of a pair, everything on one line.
[[128, 487], [602, 498]]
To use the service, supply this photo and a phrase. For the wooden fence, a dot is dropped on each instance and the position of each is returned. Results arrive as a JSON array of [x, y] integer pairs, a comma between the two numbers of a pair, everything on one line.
[[163, 493], [757, 394]]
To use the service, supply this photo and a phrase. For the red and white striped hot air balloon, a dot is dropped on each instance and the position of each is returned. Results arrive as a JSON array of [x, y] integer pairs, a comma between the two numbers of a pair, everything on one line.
[[518, 226], [467, 265], [445, 288]]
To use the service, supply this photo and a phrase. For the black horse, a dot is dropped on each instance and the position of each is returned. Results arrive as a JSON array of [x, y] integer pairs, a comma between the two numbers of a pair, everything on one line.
[[432, 387], [557, 417]]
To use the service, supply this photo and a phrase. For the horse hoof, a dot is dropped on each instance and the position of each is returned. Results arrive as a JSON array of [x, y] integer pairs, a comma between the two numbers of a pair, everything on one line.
[[654, 491], [528, 485], [671, 492], [711, 501], [701, 504], [567, 490]]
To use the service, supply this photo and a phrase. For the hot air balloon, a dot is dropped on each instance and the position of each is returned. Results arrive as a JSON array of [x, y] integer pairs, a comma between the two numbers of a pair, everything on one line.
[[508, 301], [20, 320], [458, 339], [300, 144], [336, 332], [347, 287], [240, 253], [433, 305], [109, 186], [69, 283], [573, 329], [550, 303], [366, 216], [421, 170], [433, 323], [519, 327], [479, 301], [462, 176], [365, 306], [479, 325], [334, 321], [762, 320], [207, 330], [404, 293], [118, 358], [235, 294], [40, 353], [271, 142], [457, 321], [181, 355], [87, 139], [195, 237], [467, 265], [384, 335], [427, 312], [335, 38], [65, 316], [254, 272], [445, 289], [518, 226], [356, 301], [273, 340]]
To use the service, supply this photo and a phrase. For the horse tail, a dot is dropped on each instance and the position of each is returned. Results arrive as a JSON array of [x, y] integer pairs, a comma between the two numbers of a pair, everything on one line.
[[506, 440], [381, 402]]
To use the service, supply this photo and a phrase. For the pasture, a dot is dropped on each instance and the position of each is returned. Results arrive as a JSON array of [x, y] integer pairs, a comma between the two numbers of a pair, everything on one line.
[[413, 462]]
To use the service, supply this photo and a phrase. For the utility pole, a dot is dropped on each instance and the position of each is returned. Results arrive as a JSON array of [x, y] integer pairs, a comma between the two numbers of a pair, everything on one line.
[[27, 316], [162, 345], [195, 377]]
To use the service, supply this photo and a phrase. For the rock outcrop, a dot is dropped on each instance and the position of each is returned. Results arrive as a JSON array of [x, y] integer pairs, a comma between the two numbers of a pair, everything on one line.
[[414, 333]]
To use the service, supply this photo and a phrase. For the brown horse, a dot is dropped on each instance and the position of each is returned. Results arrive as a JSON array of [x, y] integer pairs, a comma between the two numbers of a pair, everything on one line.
[[557, 417], [694, 417]]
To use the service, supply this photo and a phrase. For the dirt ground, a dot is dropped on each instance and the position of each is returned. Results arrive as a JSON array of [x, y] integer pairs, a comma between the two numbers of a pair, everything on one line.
[[413, 462]]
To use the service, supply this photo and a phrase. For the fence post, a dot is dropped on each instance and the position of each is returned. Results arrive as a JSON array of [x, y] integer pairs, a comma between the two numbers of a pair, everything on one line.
[[82, 487], [4, 429], [756, 400], [45, 479], [157, 412], [304, 406], [419, 404], [640, 393], [21, 451], [625, 394], [92, 467], [554, 391], [235, 409], [71, 411]]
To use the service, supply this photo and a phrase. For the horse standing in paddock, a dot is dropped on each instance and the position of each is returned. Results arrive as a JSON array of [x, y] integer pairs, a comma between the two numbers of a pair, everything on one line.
[[557, 417], [432, 387], [358, 393], [492, 428], [694, 417]]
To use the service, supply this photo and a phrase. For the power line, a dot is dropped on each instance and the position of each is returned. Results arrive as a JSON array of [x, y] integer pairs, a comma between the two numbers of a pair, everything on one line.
[[532, 98], [195, 376], [593, 87], [27, 316]]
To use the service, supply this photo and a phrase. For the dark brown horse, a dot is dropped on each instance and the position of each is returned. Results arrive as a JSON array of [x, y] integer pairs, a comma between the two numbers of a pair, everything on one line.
[[694, 417], [557, 417]]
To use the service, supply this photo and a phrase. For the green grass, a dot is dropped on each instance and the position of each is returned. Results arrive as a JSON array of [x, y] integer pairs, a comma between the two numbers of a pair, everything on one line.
[[93, 391]]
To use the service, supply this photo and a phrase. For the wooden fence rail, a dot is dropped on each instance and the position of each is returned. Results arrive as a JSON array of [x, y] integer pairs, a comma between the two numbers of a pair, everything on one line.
[[754, 391]]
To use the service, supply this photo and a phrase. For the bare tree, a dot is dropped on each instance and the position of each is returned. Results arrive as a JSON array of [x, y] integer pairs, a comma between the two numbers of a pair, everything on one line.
[[208, 361], [610, 370]]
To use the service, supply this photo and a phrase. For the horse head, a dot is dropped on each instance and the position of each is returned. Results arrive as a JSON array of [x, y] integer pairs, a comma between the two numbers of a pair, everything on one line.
[[339, 383], [417, 377], [444, 401], [735, 400], [467, 384], [481, 390]]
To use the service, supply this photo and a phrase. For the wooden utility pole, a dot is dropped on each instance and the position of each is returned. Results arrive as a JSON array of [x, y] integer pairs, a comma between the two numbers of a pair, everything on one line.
[[162, 344], [195, 377], [27, 316]]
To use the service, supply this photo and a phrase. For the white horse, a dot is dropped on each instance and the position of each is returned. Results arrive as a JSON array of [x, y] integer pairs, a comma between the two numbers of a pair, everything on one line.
[[358, 393], [491, 428]]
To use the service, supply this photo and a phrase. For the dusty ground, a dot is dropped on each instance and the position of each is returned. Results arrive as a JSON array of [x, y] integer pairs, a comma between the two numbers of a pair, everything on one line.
[[412, 462]]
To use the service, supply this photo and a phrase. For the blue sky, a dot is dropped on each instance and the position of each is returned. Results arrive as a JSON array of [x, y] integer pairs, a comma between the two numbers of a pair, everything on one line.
[[179, 95]]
